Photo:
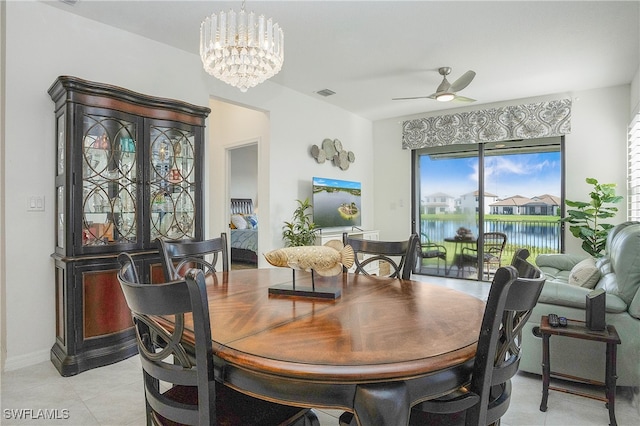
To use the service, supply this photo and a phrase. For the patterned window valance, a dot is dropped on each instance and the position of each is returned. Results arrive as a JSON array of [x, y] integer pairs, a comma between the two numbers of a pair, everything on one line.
[[539, 120]]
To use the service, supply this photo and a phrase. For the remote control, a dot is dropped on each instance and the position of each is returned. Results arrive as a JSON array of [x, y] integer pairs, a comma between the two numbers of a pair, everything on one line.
[[562, 322], [553, 320]]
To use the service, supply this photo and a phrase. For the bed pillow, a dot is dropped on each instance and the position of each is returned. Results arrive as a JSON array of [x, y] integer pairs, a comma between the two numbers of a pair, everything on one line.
[[238, 221], [252, 220], [585, 274]]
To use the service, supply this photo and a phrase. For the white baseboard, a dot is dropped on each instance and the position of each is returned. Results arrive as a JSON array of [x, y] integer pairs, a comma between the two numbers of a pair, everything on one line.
[[27, 360]]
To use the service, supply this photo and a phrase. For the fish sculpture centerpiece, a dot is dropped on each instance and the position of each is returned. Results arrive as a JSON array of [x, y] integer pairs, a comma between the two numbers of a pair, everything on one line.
[[326, 260]]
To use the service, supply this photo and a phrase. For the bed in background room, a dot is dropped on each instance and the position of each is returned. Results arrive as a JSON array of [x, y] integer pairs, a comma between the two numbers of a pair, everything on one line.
[[244, 231]]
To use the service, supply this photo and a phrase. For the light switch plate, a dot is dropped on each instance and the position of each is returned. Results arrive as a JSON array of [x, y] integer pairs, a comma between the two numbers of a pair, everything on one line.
[[35, 203]]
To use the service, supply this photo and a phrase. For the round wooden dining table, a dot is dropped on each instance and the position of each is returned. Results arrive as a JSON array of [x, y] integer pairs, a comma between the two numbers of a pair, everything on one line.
[[382, 346]]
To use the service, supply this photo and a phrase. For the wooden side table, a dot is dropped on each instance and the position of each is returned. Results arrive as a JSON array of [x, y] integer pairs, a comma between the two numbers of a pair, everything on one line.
[[579, 330]]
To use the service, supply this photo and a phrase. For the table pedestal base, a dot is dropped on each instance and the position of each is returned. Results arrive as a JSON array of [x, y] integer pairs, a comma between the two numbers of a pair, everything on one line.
[[388, 400]]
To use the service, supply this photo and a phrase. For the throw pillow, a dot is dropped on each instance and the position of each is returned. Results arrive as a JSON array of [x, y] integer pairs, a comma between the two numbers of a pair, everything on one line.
[[585, 274], [238, 221], [252, 220]]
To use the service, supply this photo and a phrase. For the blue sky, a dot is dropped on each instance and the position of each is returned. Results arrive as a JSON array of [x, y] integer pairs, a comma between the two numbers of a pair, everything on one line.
[[505, 175], [318, 181]]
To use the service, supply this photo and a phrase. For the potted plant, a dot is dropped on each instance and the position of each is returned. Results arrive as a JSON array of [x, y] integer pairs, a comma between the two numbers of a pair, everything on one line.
[[301, 231], [585, 218]]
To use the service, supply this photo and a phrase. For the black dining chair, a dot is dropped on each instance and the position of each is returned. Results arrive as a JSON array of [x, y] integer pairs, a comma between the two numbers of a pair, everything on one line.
[[493, 245], [486, 398], [399, 255], [524, 268], [427, 249], [179, 255], [177, 363]]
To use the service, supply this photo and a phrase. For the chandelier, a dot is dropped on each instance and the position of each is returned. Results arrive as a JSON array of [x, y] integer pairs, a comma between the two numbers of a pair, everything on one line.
[[241, 49]]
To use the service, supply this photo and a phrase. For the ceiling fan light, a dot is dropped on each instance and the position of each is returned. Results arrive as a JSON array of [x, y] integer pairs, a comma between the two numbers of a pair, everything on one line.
[[445, 97]]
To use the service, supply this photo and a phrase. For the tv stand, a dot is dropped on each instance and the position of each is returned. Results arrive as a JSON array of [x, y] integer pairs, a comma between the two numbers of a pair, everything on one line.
[[321, 239]]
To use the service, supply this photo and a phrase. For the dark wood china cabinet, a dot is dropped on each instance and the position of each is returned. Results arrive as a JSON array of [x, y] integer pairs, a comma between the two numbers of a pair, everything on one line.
[[129, 169]]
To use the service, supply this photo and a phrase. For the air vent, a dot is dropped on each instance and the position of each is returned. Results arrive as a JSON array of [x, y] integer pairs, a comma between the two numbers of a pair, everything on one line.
[[325, 92]]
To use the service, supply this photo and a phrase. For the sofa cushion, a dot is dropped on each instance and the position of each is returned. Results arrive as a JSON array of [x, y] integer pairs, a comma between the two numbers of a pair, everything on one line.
[[608, 283], [585, 274], [559, 293], [553, 274], [604, 265], [561, 262], [634, 308], [625, 261]]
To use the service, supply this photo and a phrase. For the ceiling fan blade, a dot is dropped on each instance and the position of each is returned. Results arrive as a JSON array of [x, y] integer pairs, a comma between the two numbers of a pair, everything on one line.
[[415, 97], [444, 86], [463, 81], [463, 99]]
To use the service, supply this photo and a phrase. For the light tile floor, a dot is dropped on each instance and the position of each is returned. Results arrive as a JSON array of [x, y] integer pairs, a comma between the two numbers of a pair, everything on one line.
[[113, 395]]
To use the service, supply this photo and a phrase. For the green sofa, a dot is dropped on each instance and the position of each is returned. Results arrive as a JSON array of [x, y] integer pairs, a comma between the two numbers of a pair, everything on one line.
[[618, 273]]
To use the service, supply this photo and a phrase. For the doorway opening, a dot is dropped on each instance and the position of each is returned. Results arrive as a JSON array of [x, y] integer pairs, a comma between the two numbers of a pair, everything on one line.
[[243, 202], [238, 168]]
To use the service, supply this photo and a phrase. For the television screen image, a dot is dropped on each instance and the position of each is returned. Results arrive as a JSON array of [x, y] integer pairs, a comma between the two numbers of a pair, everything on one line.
[[336, 203]]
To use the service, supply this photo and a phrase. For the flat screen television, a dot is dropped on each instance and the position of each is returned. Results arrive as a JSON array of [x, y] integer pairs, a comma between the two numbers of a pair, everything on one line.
[[336, 203]]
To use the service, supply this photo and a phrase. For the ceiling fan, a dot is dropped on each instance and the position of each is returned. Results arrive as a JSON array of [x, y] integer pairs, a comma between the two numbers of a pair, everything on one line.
[[448, 91]]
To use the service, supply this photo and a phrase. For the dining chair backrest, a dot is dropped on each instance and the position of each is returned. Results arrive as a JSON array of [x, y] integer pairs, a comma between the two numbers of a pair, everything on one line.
[[163, 354], [179, 255], [427, 249], [494, 243], [524, 268], [177, 358], [401, 256], [509, 304]]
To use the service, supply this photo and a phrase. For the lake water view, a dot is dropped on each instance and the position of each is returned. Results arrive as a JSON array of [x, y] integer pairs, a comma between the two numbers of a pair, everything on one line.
[[538, 236]]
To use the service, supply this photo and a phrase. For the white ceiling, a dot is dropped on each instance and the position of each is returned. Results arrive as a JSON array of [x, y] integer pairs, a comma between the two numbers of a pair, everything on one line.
[[371, 51]]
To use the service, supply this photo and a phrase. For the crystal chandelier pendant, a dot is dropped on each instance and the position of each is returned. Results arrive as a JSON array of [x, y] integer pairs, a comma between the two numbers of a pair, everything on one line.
[[241, 49]]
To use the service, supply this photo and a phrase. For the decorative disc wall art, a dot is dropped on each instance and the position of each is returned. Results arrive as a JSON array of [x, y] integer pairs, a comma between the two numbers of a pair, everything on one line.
[[332, 150]]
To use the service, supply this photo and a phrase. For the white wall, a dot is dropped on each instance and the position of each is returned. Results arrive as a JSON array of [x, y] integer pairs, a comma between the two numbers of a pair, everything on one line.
[[285, 165], [3, 322], [231, 126], [243, 173], [634, 103], [392, 182], [60, 44], [42, 43], [595, 148]]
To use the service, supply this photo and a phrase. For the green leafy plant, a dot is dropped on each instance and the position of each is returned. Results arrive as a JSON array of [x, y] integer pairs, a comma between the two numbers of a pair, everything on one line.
[[585, 219], [301, 231]]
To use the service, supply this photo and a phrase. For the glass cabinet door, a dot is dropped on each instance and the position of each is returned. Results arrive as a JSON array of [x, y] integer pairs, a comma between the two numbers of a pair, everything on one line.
[[172, 200], [61, 220], [110, 198]]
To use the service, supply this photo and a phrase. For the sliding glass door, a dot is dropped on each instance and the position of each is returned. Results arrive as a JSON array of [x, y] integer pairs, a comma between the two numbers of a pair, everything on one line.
[[468, 191], [448, 206]]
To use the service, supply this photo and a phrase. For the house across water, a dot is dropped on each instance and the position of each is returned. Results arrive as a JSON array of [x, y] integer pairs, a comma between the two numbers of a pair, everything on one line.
[[546, 204]]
